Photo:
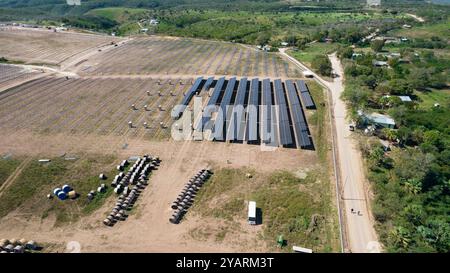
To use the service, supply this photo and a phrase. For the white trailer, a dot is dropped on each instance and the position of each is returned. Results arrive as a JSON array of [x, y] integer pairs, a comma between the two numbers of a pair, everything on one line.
[[252, 212], [299, 249]]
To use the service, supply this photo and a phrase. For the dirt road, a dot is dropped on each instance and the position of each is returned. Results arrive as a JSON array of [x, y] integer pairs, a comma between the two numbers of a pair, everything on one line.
[[360, 230], [418, 18], [361, 235]]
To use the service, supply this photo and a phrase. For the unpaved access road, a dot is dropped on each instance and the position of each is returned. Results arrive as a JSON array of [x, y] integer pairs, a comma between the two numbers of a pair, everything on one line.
[[358, 228]]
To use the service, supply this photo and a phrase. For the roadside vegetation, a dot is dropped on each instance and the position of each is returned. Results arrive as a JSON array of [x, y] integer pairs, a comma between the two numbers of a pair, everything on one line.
[[311, 51], [27, 194], [298, 209], [411, 180]]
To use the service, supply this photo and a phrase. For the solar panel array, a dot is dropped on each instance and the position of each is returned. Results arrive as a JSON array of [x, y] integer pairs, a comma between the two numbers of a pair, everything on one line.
[[252, 113], [208, 83], [256, 111], [237, 123], [283, 117], [187, 97], [298, 118], [221, 120], [306, 96], [266, 115]]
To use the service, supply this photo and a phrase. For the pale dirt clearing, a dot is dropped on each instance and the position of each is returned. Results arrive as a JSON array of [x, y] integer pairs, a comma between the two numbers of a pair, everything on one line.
[[148, 229], [47, 46]]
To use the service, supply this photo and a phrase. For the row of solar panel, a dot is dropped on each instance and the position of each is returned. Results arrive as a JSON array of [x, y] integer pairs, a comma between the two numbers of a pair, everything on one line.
[[306, 96], [236, 124], [189, 95]]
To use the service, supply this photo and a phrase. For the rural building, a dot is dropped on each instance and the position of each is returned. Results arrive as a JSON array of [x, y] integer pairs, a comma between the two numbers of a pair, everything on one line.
[[377, 119], [356, 55], [402, 98], [388, 39], [153, 22], [405, 98], [373, 3], [380, 63]]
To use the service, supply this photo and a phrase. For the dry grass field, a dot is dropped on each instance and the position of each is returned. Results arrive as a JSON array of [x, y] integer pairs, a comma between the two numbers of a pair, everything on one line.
[[39, 46], [180, 56], [12, 75], [83, 106]]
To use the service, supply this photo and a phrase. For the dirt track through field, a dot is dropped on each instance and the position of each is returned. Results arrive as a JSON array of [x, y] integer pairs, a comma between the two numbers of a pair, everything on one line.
[[14, 175]]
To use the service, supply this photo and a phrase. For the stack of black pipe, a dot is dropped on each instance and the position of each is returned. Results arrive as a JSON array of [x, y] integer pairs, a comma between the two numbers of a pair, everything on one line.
[[187, 195], [130, 186]]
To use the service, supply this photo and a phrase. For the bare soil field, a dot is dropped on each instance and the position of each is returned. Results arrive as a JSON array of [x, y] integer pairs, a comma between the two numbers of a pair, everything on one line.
[[148, 228], [11, 75], [172, 56], [45, 46], [84, 106]]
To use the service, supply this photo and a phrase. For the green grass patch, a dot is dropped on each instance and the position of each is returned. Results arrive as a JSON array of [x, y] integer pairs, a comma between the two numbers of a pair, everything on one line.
[[289, 206], [307, 55], [301, 216], [426, 31], [7, 167], [28, 192], [119, 14], [319, 119], [429, 98]]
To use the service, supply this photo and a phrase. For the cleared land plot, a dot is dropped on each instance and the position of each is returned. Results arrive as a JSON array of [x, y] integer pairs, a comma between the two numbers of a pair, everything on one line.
[[161, 55], [290, 186], [85, 106], [46, 46], [10, 74]]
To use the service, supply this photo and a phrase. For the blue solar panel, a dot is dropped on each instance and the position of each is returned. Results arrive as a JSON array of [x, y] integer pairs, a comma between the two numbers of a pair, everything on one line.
[[237, 123], [298, 119], [302, 86], [221, 119], [216, 92], [187, 98], [251, 133], [267, 128], [283, 118], [208, 83], [306, 96]]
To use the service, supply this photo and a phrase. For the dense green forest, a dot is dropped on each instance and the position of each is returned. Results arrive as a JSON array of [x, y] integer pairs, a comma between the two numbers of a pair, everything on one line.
[[246, 21]]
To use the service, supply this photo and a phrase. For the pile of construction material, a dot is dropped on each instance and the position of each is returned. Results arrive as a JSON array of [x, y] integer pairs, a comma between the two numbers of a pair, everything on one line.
[[186, 198], [65, 192], [100, 189], [17, 246], [129, 186]]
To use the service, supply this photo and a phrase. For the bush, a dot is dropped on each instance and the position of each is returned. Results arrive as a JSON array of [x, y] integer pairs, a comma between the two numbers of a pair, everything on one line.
[[322, 65], [377, 45]]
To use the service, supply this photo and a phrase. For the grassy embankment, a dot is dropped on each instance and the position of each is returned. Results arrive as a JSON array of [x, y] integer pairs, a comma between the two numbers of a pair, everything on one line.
[[27, 193]]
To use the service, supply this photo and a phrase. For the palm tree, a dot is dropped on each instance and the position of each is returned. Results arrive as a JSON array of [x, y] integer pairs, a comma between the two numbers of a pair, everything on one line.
[[400, 237]]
